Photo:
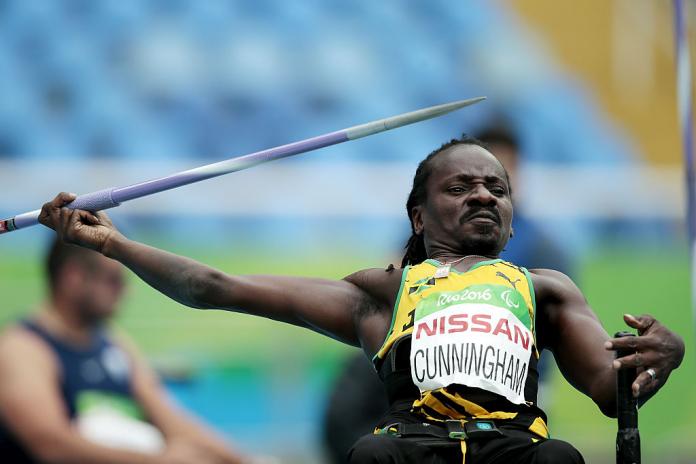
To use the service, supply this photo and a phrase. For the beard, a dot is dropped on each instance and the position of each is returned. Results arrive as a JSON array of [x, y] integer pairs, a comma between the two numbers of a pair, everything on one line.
[[91, 316], [484, 240]]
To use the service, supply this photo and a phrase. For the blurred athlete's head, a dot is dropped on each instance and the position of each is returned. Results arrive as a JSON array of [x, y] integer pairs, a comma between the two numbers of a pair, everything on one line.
[[460, 203], [83, 282], [502, 141]]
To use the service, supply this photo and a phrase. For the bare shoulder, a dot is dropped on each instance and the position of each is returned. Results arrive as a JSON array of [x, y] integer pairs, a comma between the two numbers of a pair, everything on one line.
[[555, 293], [19, 347], [553, 285], [137, 359], [19, 341], [373, 314], [381, 284], [124, 341], [559, 304]]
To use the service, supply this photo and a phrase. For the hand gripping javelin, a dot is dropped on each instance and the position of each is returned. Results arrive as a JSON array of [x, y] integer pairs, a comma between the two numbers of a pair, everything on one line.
[[112, 197]]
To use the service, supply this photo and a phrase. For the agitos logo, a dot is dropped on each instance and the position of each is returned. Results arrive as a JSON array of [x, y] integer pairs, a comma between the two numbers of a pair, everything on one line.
[[507, 298]]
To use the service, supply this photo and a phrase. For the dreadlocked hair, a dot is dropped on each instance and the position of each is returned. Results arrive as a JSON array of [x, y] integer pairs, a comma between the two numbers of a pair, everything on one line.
[[415, 247]]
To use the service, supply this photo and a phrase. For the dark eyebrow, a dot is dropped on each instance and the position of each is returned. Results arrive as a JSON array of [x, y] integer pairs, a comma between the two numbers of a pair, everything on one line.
[[487, 179]]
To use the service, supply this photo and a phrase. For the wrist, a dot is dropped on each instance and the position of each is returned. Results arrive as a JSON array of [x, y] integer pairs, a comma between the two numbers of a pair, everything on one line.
[[112, 244]]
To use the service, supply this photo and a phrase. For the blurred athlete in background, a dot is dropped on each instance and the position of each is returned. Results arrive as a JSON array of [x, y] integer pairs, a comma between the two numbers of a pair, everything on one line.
[[73, 392]]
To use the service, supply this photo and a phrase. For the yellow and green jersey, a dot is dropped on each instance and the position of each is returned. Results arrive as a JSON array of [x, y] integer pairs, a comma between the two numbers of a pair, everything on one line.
[[472, 341]]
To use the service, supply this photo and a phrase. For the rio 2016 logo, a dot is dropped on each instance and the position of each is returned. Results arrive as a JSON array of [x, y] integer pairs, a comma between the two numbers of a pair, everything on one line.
[[467, 294]]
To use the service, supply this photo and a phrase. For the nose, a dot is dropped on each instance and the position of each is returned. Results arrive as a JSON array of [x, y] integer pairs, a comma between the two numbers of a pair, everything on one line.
[[480, 195]]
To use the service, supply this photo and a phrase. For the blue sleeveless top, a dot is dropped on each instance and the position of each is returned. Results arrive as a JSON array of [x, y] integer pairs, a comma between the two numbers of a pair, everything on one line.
[[100, 367], [88, 376]]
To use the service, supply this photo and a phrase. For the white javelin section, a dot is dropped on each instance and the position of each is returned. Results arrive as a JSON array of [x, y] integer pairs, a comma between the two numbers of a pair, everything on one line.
[[348, 189], [382, 125]]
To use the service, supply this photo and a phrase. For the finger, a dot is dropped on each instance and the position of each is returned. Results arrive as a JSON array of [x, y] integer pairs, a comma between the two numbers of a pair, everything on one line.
[[47, 216], [641, 323], [87, 217], [62, 199], [103, 218], [634, 360], [644, 384], [64, 217], [622, 343], [49, 211], [72, 219], [79, 217], [642, 343]]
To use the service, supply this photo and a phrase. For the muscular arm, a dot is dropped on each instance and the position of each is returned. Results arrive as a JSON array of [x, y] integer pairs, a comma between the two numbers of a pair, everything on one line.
[[331, 307], [572, 332], [583, 350], [339, 309]]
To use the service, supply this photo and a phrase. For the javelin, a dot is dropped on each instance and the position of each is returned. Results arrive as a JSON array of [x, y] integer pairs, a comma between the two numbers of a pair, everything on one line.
[[686, 119], [112, 197]]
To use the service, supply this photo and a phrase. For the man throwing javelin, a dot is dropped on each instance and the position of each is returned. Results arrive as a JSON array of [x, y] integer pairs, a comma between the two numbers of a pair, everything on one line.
[[455, 334]]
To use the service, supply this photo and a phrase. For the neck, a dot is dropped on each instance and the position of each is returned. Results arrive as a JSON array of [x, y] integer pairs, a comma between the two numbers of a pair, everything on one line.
[[61, 320], [447, 257]]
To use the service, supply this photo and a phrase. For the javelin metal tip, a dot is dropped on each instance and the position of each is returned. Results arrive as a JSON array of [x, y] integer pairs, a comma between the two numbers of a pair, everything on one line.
[[445, 108], [469, 101], [404, 119]]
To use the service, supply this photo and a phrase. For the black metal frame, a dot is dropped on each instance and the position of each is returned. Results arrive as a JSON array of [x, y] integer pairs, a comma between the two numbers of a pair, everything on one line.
[[627, 437]]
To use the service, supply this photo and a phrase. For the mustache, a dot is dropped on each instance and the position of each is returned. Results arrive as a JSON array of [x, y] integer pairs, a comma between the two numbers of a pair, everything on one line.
[[491, 213]]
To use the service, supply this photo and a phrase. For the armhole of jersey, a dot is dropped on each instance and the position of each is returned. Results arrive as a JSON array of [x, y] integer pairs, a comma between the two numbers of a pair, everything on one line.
[[404, 273], [530, 284]]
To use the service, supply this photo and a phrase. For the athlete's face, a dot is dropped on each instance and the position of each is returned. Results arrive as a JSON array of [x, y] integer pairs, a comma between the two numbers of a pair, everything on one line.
[[467, 208], [97, 289]]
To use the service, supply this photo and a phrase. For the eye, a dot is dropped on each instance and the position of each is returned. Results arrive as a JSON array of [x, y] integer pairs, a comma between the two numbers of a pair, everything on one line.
[[498, 190], [456, 189]]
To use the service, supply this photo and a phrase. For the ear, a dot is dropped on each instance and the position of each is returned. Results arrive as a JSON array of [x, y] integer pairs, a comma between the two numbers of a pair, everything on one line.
[[417, 219]]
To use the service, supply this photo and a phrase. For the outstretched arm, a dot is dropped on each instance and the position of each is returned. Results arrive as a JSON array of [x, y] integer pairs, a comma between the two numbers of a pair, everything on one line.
[[583, 350], [335, 308]]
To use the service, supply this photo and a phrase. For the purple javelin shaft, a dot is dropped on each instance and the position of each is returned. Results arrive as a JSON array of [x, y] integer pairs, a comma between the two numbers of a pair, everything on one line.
[[112, 197], [131, 192]]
